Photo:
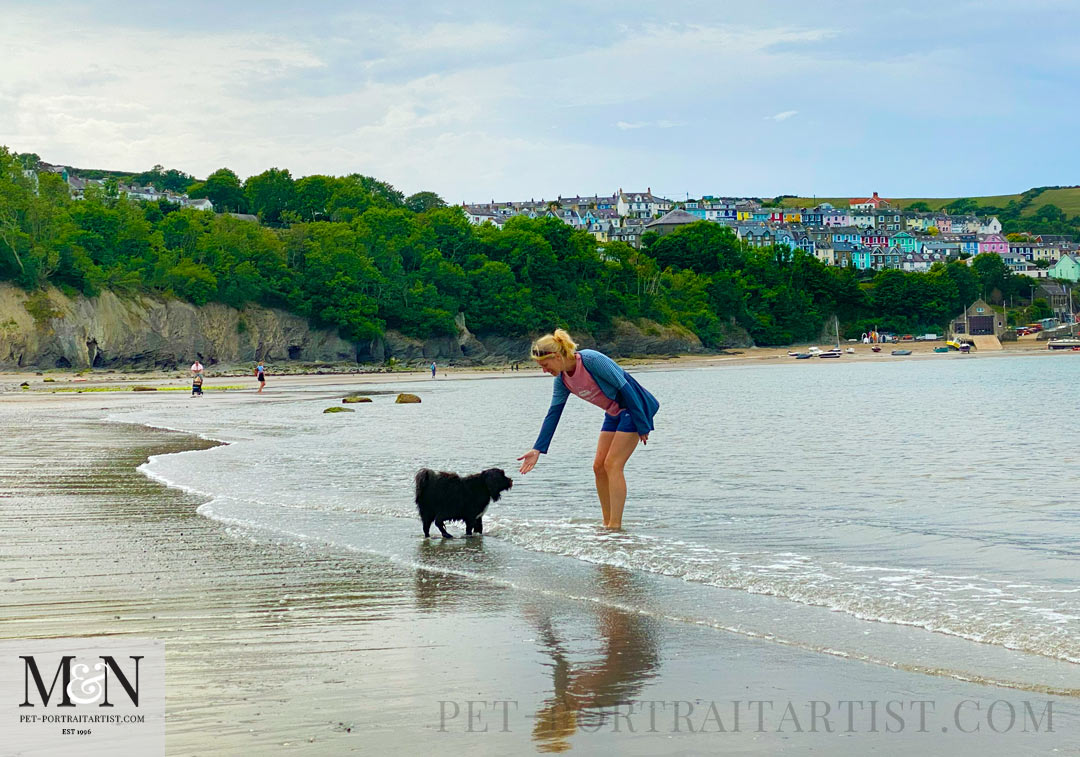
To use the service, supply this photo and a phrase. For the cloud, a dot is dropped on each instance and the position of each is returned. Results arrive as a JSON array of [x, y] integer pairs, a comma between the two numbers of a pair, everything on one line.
[[782, 115]]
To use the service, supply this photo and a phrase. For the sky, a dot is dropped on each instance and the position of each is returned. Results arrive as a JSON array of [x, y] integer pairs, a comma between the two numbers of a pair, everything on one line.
[[521, 100]]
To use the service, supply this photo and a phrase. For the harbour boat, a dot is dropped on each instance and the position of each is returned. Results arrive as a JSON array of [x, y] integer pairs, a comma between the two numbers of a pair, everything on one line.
[[965, 348], [901, 352], [1063, 344], [941, 349], [850, 350], [875, 348], [830, 353], [803, 355]]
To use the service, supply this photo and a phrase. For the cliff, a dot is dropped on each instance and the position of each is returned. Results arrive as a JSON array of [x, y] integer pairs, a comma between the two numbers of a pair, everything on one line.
[[50, 330]]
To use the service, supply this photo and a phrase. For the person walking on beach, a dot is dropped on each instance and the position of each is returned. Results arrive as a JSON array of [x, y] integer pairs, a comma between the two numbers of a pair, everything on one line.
[[196, 368], [433, 369], [628, 413], [196, 385], [260, 376]]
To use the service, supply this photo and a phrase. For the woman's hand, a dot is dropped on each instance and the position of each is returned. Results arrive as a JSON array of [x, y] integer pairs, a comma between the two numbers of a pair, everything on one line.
[[530, 459], [644, 438]]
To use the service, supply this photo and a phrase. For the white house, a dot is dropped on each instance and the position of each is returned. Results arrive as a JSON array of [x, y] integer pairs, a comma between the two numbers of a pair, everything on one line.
[[641, 204]]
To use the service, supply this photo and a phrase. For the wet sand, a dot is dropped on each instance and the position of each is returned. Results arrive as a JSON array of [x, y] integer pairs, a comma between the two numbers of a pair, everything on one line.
[[276, 649]]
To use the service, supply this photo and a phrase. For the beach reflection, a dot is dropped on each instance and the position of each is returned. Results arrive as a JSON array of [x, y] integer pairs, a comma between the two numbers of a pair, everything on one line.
[[587, 690]]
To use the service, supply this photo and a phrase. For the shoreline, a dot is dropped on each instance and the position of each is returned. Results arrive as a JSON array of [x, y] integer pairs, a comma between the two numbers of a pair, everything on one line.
[[276, 647], [60, 381]]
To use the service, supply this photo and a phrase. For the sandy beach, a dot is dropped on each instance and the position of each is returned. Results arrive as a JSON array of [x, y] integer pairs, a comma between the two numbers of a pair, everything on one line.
[[235, 377], [276, 649]]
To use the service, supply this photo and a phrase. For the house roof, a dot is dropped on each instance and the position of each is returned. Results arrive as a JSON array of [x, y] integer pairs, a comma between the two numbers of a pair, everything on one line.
[[673, 218]]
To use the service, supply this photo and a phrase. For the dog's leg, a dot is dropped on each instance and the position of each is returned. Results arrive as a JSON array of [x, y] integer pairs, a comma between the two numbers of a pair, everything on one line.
[[479, 525], [427, 528], [468, 527], [446, 534]]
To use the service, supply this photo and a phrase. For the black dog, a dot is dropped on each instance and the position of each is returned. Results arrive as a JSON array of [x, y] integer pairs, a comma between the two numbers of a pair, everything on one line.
[[447, 496]]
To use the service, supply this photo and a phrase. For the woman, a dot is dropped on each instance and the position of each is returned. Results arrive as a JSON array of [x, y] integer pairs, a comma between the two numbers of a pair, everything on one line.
[[260, 376], [628, 413]]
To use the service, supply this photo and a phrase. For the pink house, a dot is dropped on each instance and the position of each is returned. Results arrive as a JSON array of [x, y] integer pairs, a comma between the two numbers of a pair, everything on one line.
[[836, 218], [993, 243]]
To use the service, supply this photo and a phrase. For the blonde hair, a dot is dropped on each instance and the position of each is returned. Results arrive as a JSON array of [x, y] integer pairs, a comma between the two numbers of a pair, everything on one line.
[[558, 343]]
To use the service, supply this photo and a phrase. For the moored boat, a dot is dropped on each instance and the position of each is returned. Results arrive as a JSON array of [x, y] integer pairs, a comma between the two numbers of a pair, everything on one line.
[[901, 352], [1066, 343]]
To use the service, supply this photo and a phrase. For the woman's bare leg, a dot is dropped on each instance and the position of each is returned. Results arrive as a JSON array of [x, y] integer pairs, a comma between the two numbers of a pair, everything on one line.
[[600, 472], [622, 446]]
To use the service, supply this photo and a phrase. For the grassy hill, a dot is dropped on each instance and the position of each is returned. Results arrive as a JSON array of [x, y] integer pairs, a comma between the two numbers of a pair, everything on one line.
[[1068, 199]]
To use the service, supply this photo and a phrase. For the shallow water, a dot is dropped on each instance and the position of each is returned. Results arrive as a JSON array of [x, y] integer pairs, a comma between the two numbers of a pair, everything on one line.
[[915, 514]]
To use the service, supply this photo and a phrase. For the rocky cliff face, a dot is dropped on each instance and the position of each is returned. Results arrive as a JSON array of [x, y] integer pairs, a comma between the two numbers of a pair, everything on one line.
[[50, 330], [142, 332]]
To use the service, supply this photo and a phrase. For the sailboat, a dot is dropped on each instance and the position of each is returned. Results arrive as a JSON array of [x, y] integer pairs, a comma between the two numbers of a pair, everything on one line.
[[835, 351]]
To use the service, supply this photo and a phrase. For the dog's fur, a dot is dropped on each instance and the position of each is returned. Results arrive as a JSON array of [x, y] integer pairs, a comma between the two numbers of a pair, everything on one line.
[[447, 496]]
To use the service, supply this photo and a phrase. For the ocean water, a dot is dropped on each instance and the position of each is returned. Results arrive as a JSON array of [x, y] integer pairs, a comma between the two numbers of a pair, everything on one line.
[[917, 514]]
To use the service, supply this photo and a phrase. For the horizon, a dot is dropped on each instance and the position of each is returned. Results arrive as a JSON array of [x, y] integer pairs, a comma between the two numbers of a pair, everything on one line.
[[810, 102]]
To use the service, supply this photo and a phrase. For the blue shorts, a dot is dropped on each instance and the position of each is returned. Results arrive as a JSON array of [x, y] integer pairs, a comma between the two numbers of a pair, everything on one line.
[[620, 422]]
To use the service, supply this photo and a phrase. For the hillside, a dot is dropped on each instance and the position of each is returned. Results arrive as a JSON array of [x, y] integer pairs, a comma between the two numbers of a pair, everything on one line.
[[1068, 199]]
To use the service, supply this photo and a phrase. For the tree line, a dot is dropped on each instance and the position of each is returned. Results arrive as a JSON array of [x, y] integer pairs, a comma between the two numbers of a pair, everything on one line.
[[356, 254]]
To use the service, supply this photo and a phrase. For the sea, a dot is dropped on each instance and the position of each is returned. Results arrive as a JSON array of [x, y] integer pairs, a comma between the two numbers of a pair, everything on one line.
[[919, 514]]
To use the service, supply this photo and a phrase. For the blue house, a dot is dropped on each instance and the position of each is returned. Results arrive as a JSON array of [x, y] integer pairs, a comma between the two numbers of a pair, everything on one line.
[[904, 240], [860, 257]]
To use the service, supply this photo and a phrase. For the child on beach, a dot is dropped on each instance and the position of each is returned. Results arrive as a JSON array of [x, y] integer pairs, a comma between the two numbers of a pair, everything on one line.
[[260, 376], [628, 413], [196, 385]]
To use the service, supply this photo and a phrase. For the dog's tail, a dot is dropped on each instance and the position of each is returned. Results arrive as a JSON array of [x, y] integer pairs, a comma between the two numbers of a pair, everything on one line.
[[424, 476]]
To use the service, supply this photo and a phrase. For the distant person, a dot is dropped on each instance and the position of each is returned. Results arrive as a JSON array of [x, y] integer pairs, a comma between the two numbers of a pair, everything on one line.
[[196, 368], [196, 385], [260, 376], [628, 413], [433, 369]]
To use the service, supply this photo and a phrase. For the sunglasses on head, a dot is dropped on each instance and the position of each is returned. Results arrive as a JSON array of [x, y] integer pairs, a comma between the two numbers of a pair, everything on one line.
[[538, 355]]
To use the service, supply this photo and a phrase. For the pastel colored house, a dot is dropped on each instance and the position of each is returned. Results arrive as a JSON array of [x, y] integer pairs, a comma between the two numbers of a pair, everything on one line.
[[1067, 267], [847, 234], [836, 217], [905, 241], [993, 243], [860, 257], [863, 218]]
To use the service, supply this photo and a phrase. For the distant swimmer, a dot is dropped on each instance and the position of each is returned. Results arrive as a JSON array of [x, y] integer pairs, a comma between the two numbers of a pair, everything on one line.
[[628, 413]]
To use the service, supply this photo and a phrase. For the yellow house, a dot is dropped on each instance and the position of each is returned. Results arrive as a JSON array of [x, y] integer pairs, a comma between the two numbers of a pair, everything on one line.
[[793, 216], [744, 215]]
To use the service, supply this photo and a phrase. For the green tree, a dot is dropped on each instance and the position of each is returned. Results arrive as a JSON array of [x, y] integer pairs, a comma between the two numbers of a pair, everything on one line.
[[421, 202], [223, 189], [270, 193]]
